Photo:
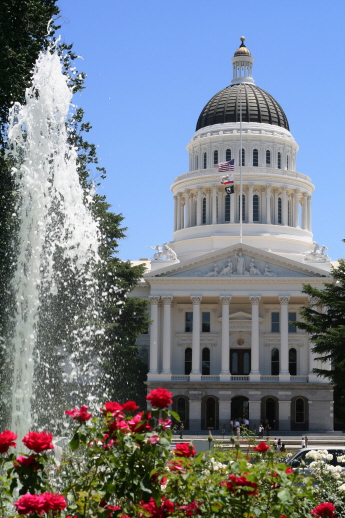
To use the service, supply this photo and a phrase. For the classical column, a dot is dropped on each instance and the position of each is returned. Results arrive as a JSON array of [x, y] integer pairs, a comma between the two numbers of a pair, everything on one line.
[[268, 204], [284, 207], [284, 374], [195, 374], [255, 368], [250, 203], [296, 206], [187, 222], [309, 212], [154, 335], [182, 213], [225, 373], [199, 207], [175, 213], [178, 211], [208, 206], [214, 205], [305, 212], [167, 335]]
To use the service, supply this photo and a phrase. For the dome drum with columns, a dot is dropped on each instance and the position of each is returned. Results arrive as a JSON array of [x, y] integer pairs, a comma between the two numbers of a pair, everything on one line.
[[222, 337]]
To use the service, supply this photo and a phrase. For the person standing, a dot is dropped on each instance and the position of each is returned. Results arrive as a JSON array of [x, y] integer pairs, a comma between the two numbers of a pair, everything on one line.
[[181, 430], [303, 443], [306, 441], [279, 445], [232, 427]]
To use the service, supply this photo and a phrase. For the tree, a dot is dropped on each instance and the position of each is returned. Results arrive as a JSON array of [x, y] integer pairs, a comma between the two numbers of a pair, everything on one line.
[[324, 321]]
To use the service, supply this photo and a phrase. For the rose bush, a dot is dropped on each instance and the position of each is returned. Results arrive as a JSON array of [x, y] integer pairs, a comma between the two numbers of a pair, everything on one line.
[[120, 465]]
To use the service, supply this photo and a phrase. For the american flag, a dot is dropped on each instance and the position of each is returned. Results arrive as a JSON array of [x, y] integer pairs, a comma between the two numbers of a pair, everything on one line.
[[226, 166]]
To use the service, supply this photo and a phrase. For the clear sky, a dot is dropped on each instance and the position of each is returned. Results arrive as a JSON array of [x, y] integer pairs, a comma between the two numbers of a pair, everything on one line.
[[153, 65]]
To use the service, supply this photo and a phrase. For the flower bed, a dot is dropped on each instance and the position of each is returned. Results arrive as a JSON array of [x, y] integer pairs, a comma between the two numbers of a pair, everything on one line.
[[120, 464]]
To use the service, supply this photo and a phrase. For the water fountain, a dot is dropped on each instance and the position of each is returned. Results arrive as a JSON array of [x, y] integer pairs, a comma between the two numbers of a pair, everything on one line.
[[57, 246]]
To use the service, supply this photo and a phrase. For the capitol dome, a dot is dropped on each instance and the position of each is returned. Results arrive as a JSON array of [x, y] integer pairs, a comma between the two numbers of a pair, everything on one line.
[[257, 106]]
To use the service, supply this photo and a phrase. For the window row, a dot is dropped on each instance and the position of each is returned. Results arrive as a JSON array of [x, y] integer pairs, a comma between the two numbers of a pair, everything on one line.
[[239, 410], [240, 362], [206, 322], [255, 158]]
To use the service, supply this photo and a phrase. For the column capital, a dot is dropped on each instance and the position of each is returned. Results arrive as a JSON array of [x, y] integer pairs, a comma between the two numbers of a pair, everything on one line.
[[251, 184], [154, 299], [167, 300], [268, 185], [297, 191], [196, 299], [284, 301], [175, 197], [313, 301], [187, 191], [225, 299], [284, 187], [179, 194], [255, 300], [309, 197], [305, 195]]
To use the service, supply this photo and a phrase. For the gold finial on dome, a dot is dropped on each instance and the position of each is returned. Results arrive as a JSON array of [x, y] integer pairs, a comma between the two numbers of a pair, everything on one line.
[[242, 49]]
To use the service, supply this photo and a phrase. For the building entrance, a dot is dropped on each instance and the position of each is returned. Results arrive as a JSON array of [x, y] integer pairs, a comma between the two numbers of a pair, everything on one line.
[[240, 361], [239, 408]]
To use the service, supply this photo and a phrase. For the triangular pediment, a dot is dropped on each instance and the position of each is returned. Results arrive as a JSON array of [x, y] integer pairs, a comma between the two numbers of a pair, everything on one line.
[[240, 315], [239, 262]]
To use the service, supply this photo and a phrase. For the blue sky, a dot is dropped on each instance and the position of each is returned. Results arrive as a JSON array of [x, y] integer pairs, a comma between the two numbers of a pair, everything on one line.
[[153, 65]]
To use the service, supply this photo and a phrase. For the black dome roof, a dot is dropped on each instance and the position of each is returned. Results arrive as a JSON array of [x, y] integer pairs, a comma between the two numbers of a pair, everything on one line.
[[257, 106]]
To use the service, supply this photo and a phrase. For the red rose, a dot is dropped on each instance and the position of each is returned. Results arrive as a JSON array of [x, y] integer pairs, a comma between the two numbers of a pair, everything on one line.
[[27, 504], [140, 422], [7, 439], [184, 450], [158, 512], [52, 502], [159, 398], [236, 483], [289, 470], [79, 414], [118, 424], [324, 510], [176, 465], [38, 441], [192, 509], [130, 406], [262, 447], [112, 407], [26, 461]]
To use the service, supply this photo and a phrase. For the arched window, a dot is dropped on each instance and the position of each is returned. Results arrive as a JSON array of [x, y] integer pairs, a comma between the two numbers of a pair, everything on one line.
[[228, 155], [206, 362], [188, 360], [181, 409], [292, 362], [275, 362], [243, 156], [196, 162], [205, 160], [268, 157], [299, 410], [287, 162], [234, 362], [243, 207], [279, 160], [227, 207], [256, 207], [204, 211], [211, 414], [255, 158], [279, 211], [215, 157]]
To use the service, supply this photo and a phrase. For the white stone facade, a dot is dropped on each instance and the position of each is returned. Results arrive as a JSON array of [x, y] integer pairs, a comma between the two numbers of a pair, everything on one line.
[[221, 337]]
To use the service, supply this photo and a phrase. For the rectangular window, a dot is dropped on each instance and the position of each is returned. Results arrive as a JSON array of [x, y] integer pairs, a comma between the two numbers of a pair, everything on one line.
[[206, 322], [188, 327], [255, 207], [292, 318], [275, 328], [204, 211], [279, 211]]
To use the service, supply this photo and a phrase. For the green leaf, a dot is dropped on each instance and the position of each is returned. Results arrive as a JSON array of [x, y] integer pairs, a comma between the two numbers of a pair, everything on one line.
[[283, 495], [74, 444]]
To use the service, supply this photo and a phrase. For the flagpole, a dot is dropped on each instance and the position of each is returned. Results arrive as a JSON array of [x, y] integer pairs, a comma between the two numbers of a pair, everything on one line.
[[241, 201]]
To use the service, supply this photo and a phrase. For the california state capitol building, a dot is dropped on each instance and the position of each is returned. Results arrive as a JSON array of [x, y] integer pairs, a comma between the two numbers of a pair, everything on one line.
[[222, 338]]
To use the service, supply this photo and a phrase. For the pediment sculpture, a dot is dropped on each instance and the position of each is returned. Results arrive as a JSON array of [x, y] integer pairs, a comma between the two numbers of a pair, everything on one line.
[[240, 268]]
